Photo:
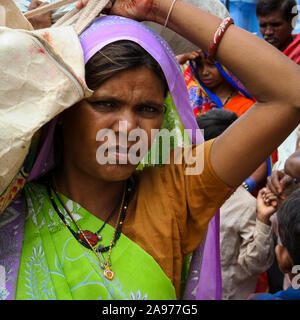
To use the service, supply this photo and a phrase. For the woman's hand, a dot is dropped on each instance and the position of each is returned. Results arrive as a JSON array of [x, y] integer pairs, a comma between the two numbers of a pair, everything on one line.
[[138, 10], [41, 21], [81, 3], [183, 58]]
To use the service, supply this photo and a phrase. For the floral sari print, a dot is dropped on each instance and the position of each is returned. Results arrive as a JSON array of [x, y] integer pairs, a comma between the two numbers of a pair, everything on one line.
[[201, 98], [55, 266], [49, 265]]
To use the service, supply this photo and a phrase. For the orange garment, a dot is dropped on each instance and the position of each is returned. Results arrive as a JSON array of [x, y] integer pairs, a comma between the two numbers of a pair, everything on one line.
[[239, 104], [170, 211]]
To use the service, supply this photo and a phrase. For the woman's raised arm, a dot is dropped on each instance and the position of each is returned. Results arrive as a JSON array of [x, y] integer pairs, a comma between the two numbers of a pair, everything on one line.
[[272, 78]]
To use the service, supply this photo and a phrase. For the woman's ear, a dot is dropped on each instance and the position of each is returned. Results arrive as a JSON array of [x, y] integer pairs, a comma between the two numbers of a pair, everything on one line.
[[284, 259]]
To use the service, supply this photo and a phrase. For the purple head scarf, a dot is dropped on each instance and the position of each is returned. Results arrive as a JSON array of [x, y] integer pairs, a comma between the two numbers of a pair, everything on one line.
[[105, 30], [110, 29]]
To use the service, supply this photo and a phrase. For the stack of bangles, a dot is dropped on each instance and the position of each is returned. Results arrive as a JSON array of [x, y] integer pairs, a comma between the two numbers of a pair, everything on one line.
[[249, 184], [226, 23]]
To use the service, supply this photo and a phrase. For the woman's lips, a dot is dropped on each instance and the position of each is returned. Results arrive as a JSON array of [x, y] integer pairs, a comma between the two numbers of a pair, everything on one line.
[[120, 154], [207, 81]]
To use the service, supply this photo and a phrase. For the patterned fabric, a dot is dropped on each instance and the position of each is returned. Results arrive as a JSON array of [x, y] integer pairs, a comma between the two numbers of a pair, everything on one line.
[[202, 99], [171, 122], [19, 180], [54, 265], [11, 237]]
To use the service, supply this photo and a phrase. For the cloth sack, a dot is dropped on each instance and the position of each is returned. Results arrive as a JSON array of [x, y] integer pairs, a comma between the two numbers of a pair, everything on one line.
[[41, 74]]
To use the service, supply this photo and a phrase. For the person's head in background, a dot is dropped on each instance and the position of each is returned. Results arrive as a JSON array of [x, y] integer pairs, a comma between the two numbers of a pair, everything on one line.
[[288, 215], [275, 19], [214, 122], [210, 75]]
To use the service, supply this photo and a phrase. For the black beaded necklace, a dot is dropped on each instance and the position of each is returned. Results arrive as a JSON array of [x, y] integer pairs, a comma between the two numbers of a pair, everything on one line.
[[229, 97], [93, 238]]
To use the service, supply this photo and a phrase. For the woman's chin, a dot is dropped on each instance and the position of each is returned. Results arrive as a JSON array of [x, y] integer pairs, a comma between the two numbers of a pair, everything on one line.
[[116, 172]]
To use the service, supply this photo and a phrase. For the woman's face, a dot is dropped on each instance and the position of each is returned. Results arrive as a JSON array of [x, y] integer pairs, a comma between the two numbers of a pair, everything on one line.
[[209, 74], [132, 99]]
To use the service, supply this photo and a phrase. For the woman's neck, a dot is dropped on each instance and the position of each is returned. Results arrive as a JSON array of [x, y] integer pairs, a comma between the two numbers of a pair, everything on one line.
[[97, 196], [223, 91]]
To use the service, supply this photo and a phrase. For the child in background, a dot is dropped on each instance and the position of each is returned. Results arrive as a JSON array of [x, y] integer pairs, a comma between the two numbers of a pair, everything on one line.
[[288, 252]]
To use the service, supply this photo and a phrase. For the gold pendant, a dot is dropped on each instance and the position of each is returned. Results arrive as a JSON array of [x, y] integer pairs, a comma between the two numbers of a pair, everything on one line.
[[108, 273]]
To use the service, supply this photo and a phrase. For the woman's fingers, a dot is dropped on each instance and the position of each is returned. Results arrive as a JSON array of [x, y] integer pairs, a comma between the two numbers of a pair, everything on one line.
[[138, 10], [81, 3], [42, 20]]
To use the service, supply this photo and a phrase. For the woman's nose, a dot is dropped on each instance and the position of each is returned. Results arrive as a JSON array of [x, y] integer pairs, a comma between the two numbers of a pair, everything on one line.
[[125, 122], [205, 71]]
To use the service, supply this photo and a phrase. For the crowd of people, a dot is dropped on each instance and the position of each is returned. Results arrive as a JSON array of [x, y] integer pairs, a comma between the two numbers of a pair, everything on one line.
[[213, 90], [247, 245], [150, 220]]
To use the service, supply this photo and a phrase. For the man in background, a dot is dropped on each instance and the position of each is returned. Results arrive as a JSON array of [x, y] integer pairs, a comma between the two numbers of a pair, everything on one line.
[[277, 19]]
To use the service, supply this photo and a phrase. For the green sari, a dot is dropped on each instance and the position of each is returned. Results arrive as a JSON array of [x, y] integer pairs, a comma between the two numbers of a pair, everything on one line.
[[55, 266]]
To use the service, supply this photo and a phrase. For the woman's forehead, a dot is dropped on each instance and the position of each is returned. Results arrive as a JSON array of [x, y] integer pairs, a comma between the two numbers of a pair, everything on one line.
[[138, 81]]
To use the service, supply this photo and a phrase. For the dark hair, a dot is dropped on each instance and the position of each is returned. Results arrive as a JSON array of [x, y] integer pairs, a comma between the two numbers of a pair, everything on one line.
[[116, 57], [288, 216], [214, 122], [265, 7]]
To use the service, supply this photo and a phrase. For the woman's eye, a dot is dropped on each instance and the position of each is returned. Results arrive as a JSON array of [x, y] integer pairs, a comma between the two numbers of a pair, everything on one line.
[[200, 68], [149, 110], [103, 105]]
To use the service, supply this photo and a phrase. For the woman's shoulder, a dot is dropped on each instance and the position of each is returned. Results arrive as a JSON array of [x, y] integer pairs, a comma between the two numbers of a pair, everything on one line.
[[187, 167]]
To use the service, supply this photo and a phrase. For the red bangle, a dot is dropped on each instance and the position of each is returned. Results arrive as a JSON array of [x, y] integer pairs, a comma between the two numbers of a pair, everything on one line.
[[218, 37]]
